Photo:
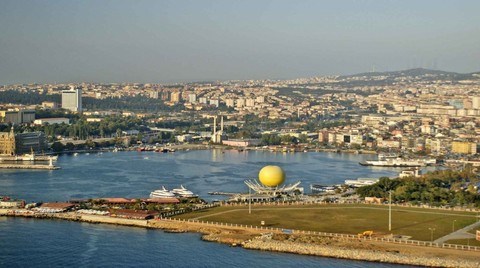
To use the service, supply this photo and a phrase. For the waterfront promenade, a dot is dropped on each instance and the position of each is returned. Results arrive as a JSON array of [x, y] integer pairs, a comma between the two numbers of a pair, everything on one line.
[[299, 242]]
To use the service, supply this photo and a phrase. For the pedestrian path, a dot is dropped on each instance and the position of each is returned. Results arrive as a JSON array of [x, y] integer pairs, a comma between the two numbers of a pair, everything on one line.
[[459, 234]]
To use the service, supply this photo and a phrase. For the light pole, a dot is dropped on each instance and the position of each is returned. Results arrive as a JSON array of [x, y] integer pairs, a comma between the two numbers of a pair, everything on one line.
[[249, 201], [431, 233], [390, 211], [453, 226]]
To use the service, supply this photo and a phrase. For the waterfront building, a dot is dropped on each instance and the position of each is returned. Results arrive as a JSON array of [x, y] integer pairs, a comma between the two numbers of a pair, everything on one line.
[[6, 202], [72, 99], [30, 141], [242, 142], [21, 143], [7, 143]]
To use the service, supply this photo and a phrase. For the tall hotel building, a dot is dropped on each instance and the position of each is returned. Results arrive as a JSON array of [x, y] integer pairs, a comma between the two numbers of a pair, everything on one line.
[[72, 99]]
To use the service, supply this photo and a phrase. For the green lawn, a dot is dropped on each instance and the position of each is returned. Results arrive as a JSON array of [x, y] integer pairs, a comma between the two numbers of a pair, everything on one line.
[[470, 242], [350, 219]]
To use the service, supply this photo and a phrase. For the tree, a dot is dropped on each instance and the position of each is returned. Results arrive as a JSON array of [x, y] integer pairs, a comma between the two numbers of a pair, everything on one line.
[[57, 147]]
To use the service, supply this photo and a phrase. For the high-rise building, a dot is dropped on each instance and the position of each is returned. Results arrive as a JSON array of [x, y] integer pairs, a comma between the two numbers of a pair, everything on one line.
[[192, 98], [175, 97], [72, 99]]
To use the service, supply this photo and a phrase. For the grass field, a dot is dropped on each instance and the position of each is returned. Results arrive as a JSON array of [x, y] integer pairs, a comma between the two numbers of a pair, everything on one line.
[[349, 219], [469, 242]]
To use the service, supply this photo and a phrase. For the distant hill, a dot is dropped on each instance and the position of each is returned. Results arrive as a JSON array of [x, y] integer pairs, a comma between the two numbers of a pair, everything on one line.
[[418, 72]]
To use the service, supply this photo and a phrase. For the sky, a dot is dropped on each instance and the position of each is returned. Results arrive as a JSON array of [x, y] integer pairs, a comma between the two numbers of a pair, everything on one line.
[[182, 41]]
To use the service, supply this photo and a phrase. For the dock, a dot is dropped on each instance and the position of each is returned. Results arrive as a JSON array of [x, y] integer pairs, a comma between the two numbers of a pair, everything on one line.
[[24, 166], [222, 193]]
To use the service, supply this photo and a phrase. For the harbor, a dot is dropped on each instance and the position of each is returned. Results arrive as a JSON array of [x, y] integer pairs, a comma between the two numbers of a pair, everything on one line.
[[184, 168]]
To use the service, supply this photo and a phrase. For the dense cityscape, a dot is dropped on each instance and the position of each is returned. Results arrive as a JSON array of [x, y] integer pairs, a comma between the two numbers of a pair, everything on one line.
[[431, 112]]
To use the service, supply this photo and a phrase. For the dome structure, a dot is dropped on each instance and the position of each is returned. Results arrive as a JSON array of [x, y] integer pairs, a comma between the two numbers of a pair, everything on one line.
[[271, 176]]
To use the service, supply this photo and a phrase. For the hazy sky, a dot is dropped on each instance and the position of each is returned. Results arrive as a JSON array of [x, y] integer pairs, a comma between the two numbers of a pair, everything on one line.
[[165, 41]]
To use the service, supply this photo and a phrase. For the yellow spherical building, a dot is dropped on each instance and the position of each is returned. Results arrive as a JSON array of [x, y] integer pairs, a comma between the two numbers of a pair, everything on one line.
[[271, 176]]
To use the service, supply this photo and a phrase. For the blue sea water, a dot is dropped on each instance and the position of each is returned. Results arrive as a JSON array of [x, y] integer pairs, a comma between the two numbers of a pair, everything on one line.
[[55, 243]]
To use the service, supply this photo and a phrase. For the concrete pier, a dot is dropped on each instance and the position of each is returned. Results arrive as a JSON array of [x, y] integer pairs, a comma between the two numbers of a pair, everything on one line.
[[27, 166]]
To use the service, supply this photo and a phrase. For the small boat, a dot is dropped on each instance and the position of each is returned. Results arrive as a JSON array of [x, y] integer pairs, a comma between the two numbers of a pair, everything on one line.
[[75, 154]]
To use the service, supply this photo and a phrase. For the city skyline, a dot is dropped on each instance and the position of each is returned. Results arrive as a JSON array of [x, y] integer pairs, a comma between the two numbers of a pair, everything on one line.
[[169, 41]]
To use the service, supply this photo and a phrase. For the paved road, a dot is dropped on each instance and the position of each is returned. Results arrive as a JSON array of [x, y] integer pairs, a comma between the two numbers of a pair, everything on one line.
[[459, 234]]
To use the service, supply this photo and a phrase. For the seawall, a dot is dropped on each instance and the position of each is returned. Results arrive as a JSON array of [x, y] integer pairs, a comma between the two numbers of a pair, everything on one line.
[[251, 238]]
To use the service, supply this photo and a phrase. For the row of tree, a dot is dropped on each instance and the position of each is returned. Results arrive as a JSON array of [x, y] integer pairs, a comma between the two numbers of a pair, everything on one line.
[[439, 188]]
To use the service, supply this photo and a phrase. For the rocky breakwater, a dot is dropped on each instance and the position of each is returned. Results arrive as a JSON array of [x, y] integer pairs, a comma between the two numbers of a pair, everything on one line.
[[350, 251]]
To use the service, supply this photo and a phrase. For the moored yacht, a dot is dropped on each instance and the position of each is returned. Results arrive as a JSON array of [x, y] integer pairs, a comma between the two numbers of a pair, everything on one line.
[[162, 193], [183, 192]]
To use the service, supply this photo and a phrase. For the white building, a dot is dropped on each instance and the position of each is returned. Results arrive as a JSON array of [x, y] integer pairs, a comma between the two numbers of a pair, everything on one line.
[[51, 121], [192, 98], [72, 99], [476, 102]]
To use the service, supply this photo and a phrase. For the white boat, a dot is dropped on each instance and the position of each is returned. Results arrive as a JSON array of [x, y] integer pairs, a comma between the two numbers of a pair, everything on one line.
[[183, 192], [361, 182], [393, 161], [162, 193]]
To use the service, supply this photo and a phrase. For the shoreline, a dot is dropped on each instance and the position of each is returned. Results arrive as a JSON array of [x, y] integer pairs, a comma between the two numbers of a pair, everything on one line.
[[257, 239]]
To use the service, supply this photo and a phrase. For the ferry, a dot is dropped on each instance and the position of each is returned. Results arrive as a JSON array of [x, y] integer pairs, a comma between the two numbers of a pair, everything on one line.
[[321, 189], [394, 161], [361, 182], [162, 193], [183, 192]]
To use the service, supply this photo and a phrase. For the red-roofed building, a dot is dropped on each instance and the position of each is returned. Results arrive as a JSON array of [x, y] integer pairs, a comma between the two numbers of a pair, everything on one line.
[[133, 214], [162, 200]]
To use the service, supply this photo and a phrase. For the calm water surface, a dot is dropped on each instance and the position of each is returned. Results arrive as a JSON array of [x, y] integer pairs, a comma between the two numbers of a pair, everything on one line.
[[53, 243]]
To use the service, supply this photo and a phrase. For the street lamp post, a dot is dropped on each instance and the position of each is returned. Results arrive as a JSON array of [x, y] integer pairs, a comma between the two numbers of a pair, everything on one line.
[[390, 211], [453, 226], [431, 233], [249, 201]]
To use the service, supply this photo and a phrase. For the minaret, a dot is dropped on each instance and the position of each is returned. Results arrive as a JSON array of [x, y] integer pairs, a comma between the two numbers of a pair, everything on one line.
[[221, 125], [215, 126]]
